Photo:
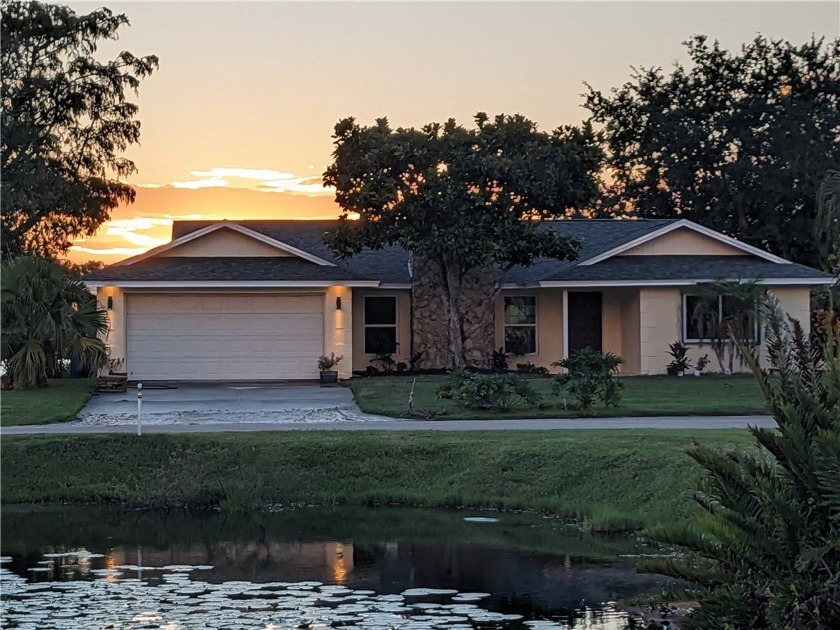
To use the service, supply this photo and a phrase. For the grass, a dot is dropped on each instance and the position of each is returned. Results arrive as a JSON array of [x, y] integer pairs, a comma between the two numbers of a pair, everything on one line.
[[643, 396], [613, 478], [61, 401]]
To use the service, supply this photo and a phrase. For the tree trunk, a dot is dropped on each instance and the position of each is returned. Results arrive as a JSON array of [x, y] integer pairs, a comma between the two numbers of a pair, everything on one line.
[[454, 299], [453, 315]]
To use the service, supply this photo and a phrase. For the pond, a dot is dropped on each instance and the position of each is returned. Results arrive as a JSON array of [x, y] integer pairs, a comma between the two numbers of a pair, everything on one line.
[[313, 568]]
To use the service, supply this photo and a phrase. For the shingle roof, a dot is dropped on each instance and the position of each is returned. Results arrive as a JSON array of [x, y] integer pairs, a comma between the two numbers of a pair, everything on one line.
[[173, 268], [390, 264], [672, 267]]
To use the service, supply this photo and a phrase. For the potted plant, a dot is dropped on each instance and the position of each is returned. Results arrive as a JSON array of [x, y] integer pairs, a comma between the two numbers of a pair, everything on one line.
[[680, 364], [329, 376], [702, 362]]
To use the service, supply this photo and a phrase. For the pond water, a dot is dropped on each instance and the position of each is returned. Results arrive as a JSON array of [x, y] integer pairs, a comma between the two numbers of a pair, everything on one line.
[[313, 568]]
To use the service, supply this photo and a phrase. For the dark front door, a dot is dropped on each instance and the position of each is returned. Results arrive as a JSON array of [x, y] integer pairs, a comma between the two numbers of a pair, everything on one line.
[[584, 321]]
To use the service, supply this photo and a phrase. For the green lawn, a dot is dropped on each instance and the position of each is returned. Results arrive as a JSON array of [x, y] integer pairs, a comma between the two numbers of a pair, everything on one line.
[[61, 401], [643, 396], [612, 479]]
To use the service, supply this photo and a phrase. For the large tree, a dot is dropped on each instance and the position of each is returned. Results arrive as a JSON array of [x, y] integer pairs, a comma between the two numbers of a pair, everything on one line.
[[467, 201], [66, 121], [738, 142]]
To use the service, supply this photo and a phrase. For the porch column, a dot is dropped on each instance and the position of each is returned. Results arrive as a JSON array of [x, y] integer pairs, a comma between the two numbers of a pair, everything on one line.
[[565, 323]]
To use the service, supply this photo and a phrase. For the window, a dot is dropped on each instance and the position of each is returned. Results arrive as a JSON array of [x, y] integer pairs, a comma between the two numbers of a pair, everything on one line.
[[521, 325], [380, 325], [696, 330]]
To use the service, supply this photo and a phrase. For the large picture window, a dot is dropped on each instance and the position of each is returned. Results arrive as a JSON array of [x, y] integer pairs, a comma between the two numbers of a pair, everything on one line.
[[521, 324], [696, 329], [380, 325]]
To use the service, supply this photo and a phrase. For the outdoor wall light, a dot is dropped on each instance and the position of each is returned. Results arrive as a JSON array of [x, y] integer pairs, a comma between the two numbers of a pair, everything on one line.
[[110, 302], [338, 303]]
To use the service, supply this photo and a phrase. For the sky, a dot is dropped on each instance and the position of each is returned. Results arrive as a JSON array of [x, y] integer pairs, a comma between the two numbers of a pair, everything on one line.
[[237, 122]]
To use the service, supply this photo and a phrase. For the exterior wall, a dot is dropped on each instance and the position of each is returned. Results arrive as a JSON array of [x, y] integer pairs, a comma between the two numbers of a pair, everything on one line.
[[362, 360], [683, 242], [115, 337], [224, 243], [338, 328], [549, 326], [796, 302], [621, 327], [659, 325]]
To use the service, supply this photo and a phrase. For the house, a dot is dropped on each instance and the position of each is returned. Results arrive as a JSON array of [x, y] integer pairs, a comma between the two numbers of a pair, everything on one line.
[[262, 300]]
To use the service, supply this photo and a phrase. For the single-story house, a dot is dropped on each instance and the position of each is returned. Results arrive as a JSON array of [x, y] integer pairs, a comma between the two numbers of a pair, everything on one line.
[[262, 300]]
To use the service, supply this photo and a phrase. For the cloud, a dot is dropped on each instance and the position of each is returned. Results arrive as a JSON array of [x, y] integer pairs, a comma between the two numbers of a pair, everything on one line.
[[213, 182], [259, 179], [300, 185], [110, 251], [243, 173]]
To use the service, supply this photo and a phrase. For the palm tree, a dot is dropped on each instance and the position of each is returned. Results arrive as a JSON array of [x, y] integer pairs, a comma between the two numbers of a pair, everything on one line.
[[765, 550], [47, 316]]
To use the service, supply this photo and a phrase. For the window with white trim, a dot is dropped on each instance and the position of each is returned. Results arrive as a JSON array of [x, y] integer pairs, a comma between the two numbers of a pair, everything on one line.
[[697, 329], [521, 324], [380, 325]]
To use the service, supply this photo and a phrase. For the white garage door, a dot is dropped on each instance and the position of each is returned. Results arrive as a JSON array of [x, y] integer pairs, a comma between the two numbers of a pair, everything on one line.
[[224, 337]]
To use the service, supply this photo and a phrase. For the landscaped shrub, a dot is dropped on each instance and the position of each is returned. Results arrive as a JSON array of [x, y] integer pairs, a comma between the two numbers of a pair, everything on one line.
[[766, 551], [500, 360], [497, 392], [590, 378]]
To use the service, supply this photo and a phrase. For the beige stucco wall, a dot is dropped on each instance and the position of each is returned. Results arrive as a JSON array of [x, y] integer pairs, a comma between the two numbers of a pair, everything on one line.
[[338, 328], [362, 360], [549, 326], [659, 326], [660, 315], [683, 242], [115, 337], [224, 242]]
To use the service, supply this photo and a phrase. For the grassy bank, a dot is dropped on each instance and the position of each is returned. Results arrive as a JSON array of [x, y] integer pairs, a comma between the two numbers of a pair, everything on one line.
[[611, 478], [59, 402], [643, 396]]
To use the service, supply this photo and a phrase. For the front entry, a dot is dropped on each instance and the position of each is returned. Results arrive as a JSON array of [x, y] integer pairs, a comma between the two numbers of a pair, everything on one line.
[[584, 324]]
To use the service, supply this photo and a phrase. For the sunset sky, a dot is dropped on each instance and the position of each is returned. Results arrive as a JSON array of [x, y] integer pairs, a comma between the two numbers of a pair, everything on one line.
[[237, 122]]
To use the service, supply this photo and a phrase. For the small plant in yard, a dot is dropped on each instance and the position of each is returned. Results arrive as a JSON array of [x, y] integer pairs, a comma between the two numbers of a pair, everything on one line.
[[386, 362], [414, 360], [500, 360], [530, 368], [680, 364], [701, 365], [327, 363], [590, 378], [496, 392]]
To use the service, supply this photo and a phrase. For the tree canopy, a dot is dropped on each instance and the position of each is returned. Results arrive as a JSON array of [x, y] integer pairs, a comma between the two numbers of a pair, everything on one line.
[[738, 142], [463, 198], [66, 122]]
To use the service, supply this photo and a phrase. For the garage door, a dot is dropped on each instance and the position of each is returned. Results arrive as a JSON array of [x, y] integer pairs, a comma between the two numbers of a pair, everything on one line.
[[224, 337]]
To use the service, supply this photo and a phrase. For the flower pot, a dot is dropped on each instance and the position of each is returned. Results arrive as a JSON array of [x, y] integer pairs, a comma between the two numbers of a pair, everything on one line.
[[672, 370], [696, 372], [329, 377]]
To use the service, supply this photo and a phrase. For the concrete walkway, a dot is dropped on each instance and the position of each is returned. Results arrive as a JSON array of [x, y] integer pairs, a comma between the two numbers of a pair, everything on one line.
[[673, 422]]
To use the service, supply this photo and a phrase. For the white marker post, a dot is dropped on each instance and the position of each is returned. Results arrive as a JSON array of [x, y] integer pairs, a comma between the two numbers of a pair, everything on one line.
[[139, 408]]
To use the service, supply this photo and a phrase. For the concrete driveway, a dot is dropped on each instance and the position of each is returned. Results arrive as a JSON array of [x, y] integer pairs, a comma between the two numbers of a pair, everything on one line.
[[189, 404]]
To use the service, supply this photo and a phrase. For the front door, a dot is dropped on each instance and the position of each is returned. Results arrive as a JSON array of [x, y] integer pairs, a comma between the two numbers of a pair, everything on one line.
[[584, 324]]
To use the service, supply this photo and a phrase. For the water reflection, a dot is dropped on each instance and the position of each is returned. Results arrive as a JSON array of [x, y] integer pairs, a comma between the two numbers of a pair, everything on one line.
[[534, 567]]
